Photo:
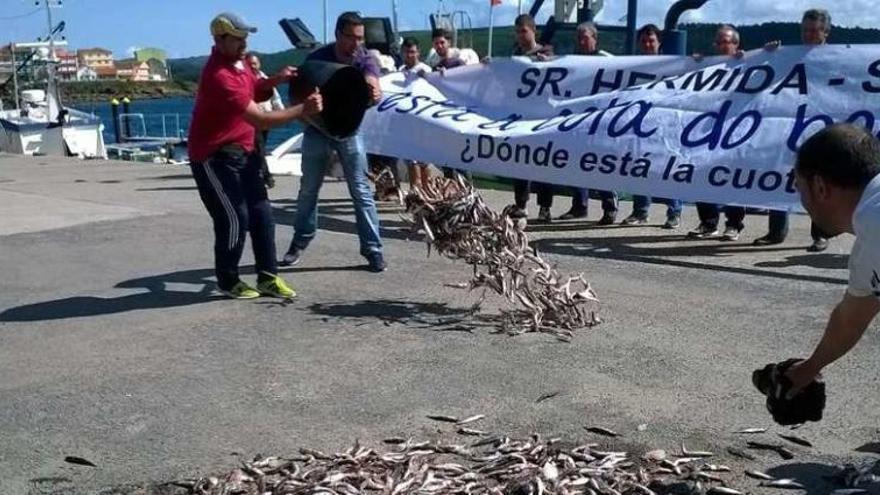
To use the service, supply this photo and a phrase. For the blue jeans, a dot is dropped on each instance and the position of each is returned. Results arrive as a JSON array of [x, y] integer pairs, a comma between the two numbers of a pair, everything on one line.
[[316, 150], [777, 224], [641, 205]]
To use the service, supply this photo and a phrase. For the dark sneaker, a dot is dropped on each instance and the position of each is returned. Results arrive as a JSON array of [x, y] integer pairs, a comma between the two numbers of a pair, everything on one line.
[[573, 214], [703, 231], [634, 220], [768, 240], [608, 218], [544, 215], [515, 212], [672, 223], [292, 257], [376, 263], [818, 246], [730, 234]]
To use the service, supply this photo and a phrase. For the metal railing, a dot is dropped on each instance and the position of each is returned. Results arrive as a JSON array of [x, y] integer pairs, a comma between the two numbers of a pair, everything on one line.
[[151, 127]]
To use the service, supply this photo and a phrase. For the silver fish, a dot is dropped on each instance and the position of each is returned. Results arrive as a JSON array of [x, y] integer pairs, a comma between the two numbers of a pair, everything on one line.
[[758, 475], [715, 468], [795, 439], [723, 490], [749, 431], [472, 432], [443, 418], [470, 419], [784, 483], [694, 453], [602, 431], [546, 396], [654, 455]]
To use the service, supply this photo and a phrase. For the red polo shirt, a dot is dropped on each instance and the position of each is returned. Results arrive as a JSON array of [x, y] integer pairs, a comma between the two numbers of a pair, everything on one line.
[[225, 91]]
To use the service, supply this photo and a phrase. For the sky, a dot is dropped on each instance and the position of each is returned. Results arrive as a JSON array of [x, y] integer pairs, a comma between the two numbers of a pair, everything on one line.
[[180, 27]]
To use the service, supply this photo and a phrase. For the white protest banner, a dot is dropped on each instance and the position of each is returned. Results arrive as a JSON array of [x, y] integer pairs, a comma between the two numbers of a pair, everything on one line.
[[722, 130]]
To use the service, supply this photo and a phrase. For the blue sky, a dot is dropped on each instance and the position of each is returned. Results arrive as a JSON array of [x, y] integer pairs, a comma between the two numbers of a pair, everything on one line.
[[180, 26]]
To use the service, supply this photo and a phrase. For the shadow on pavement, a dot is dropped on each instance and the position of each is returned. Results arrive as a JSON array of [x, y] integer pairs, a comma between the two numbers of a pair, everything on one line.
[[634, 249], [168, 188], [827, 261], [157, 295], [637, 248], [434, 316], [814, 476]]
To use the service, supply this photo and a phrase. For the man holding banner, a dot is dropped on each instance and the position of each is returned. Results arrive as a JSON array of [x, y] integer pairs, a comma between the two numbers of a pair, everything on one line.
[[726, 43], [649, 37], [815, 28], [587, 43], [527, 45]]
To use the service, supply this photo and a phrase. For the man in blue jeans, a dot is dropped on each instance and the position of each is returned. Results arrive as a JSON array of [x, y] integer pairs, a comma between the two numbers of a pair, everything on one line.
[[815, 28], [726, 43], [649, 37], [587, 43], [317, 146]]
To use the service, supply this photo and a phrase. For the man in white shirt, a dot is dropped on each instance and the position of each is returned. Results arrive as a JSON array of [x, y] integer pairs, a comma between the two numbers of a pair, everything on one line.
[[838, 176], [445, 56], [272, 104], [413, 67]]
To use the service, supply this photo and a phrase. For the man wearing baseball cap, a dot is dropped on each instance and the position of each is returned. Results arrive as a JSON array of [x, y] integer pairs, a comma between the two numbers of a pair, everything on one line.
[[225, 165]]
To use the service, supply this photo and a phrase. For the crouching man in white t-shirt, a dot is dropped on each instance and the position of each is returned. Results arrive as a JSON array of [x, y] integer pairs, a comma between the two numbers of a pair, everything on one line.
[[838, 176]]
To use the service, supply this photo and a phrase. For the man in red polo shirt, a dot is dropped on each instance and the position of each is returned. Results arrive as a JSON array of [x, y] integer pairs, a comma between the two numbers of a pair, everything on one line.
[[225, 165]]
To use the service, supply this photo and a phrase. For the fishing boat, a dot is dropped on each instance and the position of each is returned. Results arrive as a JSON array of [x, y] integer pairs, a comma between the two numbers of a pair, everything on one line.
[[39, 124]]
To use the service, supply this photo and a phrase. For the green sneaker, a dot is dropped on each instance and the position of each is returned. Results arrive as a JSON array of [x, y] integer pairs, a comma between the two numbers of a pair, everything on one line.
[[276, 287], [241, 290]]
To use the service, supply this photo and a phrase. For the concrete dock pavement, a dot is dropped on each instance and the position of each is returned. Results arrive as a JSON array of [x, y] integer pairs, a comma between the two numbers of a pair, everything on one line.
[[114, 347]]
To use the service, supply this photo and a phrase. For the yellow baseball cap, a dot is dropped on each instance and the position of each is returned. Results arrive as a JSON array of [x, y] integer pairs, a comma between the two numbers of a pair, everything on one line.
[[231, 24]]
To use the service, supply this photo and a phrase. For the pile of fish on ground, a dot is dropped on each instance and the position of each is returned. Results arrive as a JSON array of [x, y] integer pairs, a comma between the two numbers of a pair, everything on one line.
[[493, 465], [458, 224]]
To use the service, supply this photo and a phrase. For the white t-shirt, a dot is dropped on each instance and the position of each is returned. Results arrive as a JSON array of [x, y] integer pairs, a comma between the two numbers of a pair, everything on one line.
[[468, 56], [864, 261], [415, 69], [273, 103]]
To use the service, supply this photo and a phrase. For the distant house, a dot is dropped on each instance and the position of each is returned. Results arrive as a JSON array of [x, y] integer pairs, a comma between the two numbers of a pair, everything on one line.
[[96, 58], [145, 54], [158, 70], [133, 70], [68, 65], [88, 74], [105, 72]]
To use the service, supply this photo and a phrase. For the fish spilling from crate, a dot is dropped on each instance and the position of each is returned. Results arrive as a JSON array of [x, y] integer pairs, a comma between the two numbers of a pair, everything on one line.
[[458, 224]]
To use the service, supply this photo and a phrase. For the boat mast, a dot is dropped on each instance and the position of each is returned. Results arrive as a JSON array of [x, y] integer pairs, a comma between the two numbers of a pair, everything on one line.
[[325, 22], [394, 19], [51, 89], [14, 77]]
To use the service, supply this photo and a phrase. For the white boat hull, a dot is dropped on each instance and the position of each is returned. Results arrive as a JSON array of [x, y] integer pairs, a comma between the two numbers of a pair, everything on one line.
[[81, 135]]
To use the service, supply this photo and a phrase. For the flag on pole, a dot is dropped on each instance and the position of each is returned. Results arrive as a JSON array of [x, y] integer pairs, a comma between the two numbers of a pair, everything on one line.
[[492, 4]]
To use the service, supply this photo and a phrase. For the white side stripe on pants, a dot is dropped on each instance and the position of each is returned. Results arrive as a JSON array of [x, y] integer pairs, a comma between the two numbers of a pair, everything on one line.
[[227, 205]]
